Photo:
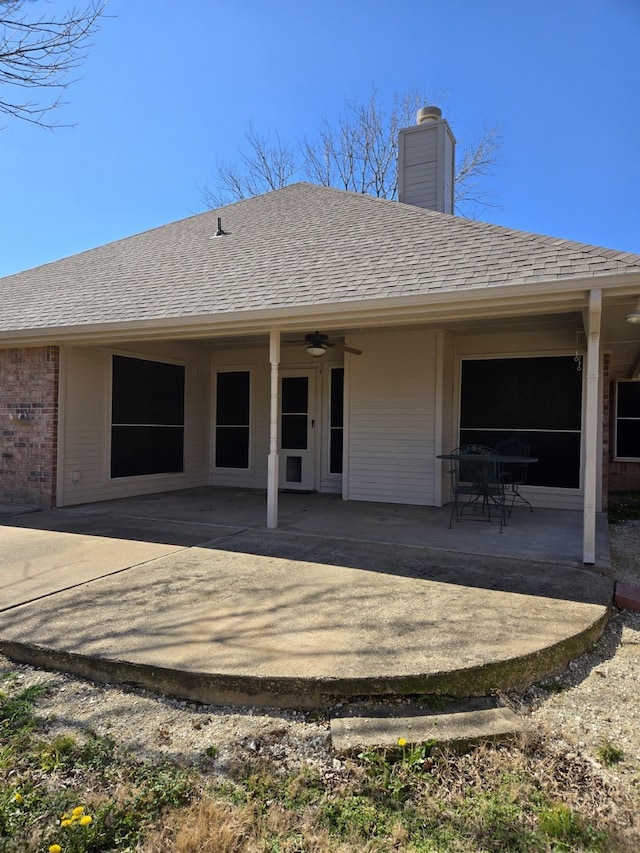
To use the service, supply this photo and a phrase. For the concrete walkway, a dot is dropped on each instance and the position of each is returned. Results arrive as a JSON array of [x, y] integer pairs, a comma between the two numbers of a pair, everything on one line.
[[234, 613]]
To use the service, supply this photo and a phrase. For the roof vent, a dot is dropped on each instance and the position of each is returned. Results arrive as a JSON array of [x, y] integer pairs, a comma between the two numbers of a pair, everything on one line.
[[429, 114], [220, 232]]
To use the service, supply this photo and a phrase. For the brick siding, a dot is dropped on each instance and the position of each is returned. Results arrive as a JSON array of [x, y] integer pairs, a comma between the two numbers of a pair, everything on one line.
[[29, 383]]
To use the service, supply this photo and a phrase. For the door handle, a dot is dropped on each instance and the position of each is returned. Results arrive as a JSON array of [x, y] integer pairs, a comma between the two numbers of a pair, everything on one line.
[[313, 423]]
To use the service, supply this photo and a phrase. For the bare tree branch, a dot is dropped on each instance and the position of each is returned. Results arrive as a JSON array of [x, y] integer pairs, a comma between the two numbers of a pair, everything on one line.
[[357, 151], [264, 166], [39, 53], [478, 161]]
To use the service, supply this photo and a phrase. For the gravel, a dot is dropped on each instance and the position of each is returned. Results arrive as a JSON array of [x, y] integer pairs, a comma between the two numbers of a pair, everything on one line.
[[596, 701], [624, 542]]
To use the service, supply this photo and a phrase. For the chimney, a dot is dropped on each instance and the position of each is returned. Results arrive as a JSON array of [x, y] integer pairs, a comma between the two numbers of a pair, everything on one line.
[[426, 156]]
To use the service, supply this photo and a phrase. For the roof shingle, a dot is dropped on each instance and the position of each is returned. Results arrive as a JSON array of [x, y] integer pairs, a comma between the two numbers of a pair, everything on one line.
[[301, 245]]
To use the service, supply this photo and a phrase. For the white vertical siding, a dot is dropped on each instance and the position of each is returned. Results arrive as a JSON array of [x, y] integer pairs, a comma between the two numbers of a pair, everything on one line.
[[391, 431], [87, 424]]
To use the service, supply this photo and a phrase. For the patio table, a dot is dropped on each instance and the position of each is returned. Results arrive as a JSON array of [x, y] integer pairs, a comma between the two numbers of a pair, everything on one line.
[[482, 490]]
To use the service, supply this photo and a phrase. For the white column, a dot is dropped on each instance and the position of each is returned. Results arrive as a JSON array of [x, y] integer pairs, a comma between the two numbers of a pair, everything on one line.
[[438, 416], [272, 471], [591, 428]]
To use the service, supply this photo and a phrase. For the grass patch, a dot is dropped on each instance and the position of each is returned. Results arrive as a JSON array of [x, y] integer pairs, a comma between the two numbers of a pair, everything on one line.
[[88, 794], [609, 754], [623, 506]]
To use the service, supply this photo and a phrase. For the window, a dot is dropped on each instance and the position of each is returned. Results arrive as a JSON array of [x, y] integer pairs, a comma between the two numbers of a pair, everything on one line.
[[537, 400], [294, 406], [627, 438], [336, 420], [147, 417], [232, 419]]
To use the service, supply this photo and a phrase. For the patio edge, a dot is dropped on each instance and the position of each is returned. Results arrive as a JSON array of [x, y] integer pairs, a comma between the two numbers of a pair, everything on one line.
[[312, 693]]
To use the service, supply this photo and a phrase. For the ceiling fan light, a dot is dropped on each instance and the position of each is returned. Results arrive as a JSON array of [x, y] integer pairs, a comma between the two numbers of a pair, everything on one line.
[[634, 317], [316, 350]]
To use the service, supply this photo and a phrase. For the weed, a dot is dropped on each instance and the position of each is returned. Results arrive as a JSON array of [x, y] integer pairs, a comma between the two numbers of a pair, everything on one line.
[[437, 702], [212, 752], [623, 506], [97, 753], [354, 817], [57, 754], [16, 712], [553, 686], [609, 754]]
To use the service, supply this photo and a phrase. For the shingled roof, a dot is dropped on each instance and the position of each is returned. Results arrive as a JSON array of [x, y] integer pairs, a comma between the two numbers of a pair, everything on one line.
[[302, 245]]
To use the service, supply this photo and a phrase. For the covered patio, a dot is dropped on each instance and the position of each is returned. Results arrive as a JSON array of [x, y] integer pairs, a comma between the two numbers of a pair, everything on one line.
[[544, 535]]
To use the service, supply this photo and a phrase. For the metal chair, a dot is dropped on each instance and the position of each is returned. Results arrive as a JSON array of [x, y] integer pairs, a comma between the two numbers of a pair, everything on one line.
[[514, 474], [476, 476]]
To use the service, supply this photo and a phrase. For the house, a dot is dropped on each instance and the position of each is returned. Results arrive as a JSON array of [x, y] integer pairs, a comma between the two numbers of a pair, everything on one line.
[[188, 355]]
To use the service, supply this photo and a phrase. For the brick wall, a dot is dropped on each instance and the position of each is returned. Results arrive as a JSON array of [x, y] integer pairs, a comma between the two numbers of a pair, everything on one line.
[[624, 476], [29, 380]]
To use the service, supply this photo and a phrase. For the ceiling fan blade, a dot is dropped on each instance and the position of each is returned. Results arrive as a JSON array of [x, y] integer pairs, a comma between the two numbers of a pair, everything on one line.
[[322, 341], [344, 348]]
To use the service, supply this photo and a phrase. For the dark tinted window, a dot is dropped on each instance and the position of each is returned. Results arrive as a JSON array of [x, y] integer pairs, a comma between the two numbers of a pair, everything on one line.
[[233, 408], [147, 431], [535, 400], [628, 420]]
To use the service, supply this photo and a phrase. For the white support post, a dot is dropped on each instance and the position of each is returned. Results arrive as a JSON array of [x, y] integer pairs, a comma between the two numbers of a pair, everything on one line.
[[272, 470], [591, 427], [438, 415]]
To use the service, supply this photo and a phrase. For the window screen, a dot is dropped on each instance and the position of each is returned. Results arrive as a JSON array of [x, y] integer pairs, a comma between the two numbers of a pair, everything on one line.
[[294, 419], [628, 420], [147, 417], [538, 401], [233, 408], [336, 420]]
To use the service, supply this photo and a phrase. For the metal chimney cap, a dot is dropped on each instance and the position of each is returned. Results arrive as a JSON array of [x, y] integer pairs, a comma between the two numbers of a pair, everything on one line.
[[429, 114]]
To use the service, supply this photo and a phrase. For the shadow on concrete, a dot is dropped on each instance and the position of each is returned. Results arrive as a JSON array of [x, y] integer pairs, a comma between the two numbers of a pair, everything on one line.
[[343, 599], [534, 556]]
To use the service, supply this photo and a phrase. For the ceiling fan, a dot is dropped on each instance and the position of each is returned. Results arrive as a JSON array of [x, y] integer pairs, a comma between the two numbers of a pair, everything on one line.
[[318, 343]]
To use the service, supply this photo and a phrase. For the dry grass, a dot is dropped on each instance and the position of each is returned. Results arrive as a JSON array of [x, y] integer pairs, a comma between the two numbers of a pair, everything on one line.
[[213, 826]]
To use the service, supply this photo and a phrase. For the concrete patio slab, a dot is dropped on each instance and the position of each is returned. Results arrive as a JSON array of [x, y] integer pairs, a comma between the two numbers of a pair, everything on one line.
[[226, 614], [55, 551], [542, 535]]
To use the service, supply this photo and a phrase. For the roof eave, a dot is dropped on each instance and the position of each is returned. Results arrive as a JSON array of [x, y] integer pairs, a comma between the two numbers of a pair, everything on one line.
[[466, 302]]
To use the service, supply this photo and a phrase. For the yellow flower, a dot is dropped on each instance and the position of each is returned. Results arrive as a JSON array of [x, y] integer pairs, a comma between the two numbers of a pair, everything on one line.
[[77, 811], [18, 798], [55, 848], [402, 741], [66, 822], [85, 820]]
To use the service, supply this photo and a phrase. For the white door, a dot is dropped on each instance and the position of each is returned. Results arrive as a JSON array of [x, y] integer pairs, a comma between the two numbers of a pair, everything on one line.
[[297, 430]]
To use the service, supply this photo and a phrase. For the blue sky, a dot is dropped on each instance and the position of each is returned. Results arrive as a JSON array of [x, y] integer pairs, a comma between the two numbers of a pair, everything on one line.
[[169, 88]]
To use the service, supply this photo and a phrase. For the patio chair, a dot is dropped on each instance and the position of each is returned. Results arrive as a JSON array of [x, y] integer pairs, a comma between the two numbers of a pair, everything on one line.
[[514, 474], [476, 482]]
